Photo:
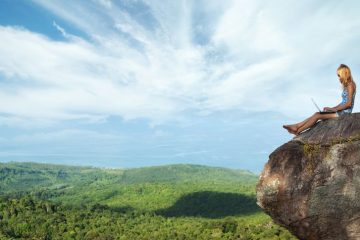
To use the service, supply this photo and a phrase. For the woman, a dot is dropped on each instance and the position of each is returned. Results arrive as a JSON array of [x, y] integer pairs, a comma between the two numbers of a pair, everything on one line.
[[345, 107]]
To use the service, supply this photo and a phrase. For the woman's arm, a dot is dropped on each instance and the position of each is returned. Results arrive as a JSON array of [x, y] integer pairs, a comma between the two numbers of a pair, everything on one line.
[[350, 90]]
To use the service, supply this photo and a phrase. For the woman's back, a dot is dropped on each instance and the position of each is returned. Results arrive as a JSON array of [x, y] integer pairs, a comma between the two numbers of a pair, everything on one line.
[[344, 96]]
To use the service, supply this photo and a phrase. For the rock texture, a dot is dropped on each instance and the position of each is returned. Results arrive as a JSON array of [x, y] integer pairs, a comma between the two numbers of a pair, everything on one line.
[[311, 184]]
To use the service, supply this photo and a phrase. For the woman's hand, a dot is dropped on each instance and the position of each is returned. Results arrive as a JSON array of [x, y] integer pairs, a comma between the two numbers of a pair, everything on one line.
[[329, 109]]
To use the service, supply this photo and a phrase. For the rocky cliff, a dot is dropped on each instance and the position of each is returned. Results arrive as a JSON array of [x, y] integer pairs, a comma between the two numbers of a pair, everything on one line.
[[311, 184]]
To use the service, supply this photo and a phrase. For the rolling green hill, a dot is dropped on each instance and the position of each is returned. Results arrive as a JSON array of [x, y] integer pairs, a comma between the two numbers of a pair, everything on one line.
[[24, 176], [144, 188], [187, 173], [179, 201]]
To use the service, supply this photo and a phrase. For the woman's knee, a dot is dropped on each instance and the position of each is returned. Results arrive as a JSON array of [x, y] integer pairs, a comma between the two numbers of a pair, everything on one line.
[[316, 114]]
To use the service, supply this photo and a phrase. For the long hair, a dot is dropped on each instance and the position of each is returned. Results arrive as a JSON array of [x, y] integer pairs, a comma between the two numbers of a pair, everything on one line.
[[344, 73]]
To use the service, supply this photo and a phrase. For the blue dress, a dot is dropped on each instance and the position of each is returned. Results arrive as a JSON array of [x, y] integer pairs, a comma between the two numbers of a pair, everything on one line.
[[344, 96]]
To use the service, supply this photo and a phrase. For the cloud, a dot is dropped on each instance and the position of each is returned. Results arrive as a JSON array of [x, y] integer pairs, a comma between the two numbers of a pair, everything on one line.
[[162, 61], [105, 3], [65, 143], [24, 123], [60, 29]]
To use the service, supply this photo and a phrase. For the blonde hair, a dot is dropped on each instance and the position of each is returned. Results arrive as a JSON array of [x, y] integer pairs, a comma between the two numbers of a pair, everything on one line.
[[344, 73]]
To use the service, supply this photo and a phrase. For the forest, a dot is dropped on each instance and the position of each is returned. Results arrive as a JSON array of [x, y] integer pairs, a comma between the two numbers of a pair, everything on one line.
[[47, 201]]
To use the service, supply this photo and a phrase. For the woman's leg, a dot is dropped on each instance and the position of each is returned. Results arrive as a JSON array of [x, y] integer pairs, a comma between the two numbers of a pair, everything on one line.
[[312, 120], [292, 128], [298, 125]]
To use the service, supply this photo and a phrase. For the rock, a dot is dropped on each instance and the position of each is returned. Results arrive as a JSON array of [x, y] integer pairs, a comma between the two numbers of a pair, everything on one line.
[[311, 184]]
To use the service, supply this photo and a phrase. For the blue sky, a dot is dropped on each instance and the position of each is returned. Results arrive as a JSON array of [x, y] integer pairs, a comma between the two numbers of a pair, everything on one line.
[[136, 83]]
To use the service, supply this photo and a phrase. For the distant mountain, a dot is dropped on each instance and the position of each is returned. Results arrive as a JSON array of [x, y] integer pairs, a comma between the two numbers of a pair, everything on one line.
[[23, 176], [187, 173]]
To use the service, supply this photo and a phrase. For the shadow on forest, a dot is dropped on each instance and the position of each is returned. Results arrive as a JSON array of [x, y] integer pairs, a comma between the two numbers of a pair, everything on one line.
[[102, 207], [211, 205]]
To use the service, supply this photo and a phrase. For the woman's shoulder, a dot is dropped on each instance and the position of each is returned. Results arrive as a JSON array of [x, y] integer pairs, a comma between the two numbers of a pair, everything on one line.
[[353, 85], [350, 88]]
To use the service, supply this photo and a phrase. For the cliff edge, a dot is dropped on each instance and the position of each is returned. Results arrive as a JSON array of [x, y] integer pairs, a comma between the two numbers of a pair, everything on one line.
[[311, 184]]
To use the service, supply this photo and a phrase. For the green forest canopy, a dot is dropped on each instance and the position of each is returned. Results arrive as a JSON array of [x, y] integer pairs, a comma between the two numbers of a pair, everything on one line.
[[165, 202]]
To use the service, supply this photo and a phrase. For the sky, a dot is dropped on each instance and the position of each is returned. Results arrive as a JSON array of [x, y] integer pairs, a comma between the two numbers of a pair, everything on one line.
[[133, 83]]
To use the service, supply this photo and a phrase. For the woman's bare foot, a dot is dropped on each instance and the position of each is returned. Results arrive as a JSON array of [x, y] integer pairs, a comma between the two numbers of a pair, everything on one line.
[[291, 129], [297, 133]]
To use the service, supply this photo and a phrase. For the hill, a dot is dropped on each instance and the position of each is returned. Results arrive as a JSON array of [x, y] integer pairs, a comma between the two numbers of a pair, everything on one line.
[[187, 173], [146, 188], [179, 201], [25, 176]]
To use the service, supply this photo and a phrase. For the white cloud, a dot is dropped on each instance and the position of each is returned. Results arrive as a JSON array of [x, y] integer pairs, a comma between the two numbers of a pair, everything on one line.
[[259, 57], [60, 29], [66, 135], [105, 3], [25, 123]]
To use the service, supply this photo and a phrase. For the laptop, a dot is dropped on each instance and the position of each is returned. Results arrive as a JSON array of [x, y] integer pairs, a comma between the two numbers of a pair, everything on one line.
[[321, 112]]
